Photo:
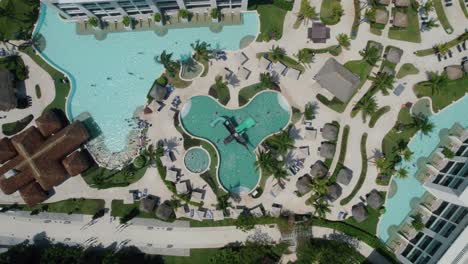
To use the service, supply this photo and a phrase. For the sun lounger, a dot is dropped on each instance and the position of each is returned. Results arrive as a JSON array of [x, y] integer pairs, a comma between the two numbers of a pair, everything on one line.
[[464, 45], [264, 63], [279, 68], [459, 48], [243, 73], [241, 58]]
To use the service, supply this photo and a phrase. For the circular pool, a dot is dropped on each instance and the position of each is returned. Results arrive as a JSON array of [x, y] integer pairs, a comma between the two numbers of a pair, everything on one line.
[[197, 160]]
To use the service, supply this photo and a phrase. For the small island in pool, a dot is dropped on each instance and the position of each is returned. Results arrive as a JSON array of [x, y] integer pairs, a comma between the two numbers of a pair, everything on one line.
[[236, 133]]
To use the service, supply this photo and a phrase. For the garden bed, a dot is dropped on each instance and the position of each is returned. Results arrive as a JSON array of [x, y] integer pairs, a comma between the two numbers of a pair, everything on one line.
[[10, 129], [362, 176]]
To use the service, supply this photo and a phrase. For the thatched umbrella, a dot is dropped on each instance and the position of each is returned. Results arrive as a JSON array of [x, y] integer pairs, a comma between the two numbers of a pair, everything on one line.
[[344, 176], [374, 199], [303, 184], [400, 19], [394, 55], [327, 150], [359, 212], [164, 211], [147, 205], [333, 192], [318, 169], [381, 16], [330, 132], [454, 72]]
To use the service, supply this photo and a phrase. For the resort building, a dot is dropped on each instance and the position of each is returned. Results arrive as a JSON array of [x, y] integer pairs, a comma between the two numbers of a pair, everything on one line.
[[442, 210], [111, 10], [42, 157]]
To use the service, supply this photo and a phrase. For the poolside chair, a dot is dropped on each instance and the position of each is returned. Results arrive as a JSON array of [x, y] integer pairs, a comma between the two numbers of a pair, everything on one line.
[[279, 68]]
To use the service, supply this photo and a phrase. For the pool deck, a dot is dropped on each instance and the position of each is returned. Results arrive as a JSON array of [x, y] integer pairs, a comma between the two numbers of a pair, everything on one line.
[[298, 93]]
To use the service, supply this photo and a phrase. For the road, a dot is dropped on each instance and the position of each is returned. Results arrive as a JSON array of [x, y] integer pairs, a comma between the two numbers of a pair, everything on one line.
[[145, 235]]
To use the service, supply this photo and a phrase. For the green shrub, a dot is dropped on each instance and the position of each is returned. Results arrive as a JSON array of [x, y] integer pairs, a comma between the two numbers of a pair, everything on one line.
[[184, 13], [38, 91], [215, 13], [126, 21], [93, 21], [162, 81], [139, 162], [157, 17]]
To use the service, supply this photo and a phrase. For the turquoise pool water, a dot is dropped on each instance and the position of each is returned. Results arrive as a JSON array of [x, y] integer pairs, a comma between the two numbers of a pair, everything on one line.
[[398, 207], [111, 77], [237, 171], [197, 160]]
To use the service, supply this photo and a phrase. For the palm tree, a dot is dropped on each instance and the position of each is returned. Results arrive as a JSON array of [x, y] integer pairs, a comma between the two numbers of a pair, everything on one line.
[[310, 13], [402, 173], [369, 14], [277, 53], [281, 142], [304, 56], [442, 48], [220, 83], [223, 203], [202, 50], [337, 9], [319, 186], [343, 40], [166, 60], [384, 82], [266, 80], [428, 6], [321, 208], [266, 162], [8, 10], [367, 105], [279, 172], [422, 122], [436, 82], [371, 55], [407, 154], [431, 23], [381, 163]]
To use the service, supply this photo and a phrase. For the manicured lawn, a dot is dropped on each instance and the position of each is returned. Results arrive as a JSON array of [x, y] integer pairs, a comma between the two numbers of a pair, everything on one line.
[[246, 93], [10, 129], [439, 8], [363, 174], [370, 224], [464, 8], [197, 256], [326, 12], [406, 69], [452, 43], [411, 33], [334, 50], [220, 93], [74, 205], [176, 81], [102, 178], [454, 91], [271, 22], [119, 209], [18, 22], [62, 85], [375, 117]]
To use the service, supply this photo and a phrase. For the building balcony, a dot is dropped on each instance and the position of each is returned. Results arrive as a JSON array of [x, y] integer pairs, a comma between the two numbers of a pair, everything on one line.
[[438, 160], [397, 243]]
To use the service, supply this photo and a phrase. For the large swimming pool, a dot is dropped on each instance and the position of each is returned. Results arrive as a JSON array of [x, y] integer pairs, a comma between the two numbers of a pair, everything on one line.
[[398, 207], [237, 173], [111, 77]]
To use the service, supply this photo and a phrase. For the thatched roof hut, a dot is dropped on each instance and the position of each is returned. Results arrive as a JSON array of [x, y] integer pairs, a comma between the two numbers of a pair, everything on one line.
[[318, 33], [164, 211], [49, 123], [344, 176], [454, 72], [330, 132], [147, 205], [400, 20], [8, 98], [338, 80], [388, 71], [319, 169], [7, 151], [76, 163], [394, 55], [303, 184], [327, 150], [381, 16], [359, 212], [158, 92], [374, 199], [333, 192], [32, 193]]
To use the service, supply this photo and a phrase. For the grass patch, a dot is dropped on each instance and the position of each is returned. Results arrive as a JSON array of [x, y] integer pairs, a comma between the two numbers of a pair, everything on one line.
[[393, 137], [69, 206], [271, 22], [176, 81], [455, 90], [452, 43], [463, 7], [327, 15], [10, 129], [363, 174], [197, 256], [375, 117], [411, 33], [375, 31], [334, 50], [407, 69], [439, 8], [370, 224], [102, 178], [357, 19], [206, 67], [358, 233], [62, 84], [342, 156], [282, 222], [246, 93], [220, 93], [119, 209], [18, 22], [38, 91]]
